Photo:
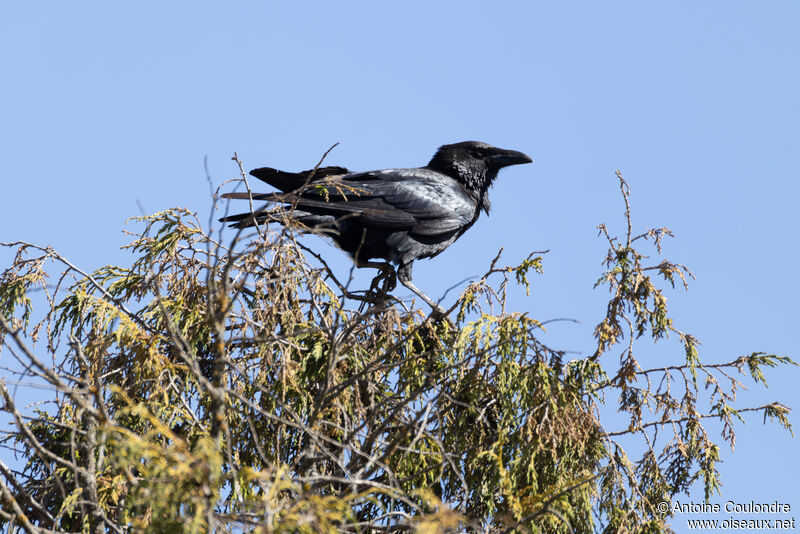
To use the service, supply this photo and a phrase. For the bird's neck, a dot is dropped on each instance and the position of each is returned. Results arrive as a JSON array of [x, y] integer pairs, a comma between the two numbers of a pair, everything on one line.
[[475, 180]]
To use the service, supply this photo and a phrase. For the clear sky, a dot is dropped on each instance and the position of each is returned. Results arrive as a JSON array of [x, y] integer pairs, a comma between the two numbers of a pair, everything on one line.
[[696, 103]]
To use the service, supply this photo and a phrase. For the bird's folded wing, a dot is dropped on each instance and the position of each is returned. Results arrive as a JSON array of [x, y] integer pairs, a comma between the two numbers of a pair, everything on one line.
[[417, 200]]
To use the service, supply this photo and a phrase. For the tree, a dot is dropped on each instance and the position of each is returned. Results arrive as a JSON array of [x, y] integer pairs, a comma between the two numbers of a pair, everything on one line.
[[244, 387]]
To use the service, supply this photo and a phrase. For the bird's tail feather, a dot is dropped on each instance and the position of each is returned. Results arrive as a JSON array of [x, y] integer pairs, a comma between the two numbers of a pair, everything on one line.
[[246, 220], [248, 196], [314, 221], [290, 181]]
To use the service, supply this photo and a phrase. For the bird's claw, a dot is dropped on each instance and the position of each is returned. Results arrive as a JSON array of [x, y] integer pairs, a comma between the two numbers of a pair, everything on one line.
[[388, 279]]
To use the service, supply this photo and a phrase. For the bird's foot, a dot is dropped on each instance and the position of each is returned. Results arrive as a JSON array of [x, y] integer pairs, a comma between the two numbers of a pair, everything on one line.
[[386, 281]]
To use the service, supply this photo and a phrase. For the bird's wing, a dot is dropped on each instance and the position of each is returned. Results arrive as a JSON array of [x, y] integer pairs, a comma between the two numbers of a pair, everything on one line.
[[419, 201]]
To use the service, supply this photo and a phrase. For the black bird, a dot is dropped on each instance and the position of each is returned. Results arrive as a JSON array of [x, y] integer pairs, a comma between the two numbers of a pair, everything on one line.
[[398, 215]]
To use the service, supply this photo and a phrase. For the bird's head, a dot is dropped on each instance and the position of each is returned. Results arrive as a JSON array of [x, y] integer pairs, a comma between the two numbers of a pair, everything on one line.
[[474, 164]]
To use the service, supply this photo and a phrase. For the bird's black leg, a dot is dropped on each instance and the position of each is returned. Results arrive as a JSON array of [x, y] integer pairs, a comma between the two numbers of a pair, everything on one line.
[[404, 275], [387, 275]]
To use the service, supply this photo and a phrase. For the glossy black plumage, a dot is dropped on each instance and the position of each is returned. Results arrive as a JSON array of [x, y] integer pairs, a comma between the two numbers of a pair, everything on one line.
[[398, 215]]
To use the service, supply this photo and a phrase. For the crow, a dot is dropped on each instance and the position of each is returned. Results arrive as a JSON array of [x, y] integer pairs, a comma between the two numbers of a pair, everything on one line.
[[397, 215]]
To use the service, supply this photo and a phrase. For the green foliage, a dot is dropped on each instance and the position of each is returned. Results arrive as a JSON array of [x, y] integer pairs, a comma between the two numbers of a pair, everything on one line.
[[246, 388]]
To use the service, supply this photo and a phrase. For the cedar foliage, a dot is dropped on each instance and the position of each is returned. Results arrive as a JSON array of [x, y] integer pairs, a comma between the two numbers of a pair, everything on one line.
[[243, 387]]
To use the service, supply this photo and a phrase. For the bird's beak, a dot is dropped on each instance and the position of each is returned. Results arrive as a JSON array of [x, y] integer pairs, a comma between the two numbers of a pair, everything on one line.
[[505, 158]]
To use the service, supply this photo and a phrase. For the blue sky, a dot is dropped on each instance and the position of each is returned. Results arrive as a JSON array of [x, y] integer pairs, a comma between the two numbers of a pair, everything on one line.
[[696, 103]]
